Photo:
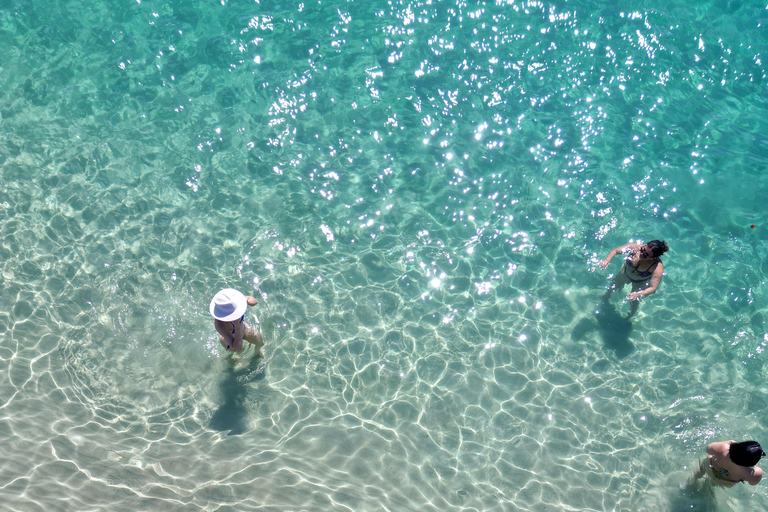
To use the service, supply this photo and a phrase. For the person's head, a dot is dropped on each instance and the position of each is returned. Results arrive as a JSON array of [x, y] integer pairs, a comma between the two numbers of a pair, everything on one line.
[[657, 248], [746, 453], [228, 305]]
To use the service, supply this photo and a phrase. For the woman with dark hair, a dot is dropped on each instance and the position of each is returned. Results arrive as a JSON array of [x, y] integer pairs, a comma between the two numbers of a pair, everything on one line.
[[642, 267], [729, 463]]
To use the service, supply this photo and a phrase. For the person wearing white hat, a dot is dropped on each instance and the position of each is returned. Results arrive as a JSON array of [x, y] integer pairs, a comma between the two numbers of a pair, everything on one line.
[[228, 308]]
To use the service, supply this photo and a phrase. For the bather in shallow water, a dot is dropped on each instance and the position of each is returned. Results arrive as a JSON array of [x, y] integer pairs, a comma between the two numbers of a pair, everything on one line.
[[642, 268]]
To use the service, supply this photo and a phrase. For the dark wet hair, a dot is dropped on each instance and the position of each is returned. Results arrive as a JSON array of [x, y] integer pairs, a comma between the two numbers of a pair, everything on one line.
[[658, 247], [746, 453]]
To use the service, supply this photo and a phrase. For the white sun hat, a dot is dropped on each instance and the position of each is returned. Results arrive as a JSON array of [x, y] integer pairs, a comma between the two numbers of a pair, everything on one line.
[[228, 304]]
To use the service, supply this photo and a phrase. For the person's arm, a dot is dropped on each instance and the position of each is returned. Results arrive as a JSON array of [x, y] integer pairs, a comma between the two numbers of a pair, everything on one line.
[[604, 263], [655, 282]]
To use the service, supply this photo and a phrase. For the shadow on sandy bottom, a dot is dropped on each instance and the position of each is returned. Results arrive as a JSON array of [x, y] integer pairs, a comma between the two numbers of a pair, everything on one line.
[[612, 328], [232, 414]]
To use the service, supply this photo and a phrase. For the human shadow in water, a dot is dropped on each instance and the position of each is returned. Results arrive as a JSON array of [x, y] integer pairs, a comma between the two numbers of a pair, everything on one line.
[[613, 328], [697, 495], [232, 414]]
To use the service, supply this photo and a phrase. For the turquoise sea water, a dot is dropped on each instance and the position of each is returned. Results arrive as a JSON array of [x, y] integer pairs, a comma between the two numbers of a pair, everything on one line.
[[418, 194]]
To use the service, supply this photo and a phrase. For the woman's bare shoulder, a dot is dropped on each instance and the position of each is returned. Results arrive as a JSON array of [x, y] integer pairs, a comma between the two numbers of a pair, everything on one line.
[[718, 447]]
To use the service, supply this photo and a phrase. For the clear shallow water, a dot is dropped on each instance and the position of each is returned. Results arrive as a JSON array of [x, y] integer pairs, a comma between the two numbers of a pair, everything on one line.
[[418, 193]]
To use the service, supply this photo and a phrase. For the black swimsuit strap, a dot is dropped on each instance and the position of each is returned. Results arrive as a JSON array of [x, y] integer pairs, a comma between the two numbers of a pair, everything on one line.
[[651, 267], [234, 329]]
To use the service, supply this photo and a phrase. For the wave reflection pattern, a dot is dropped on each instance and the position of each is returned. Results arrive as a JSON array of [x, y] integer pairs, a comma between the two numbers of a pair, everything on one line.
[[418, 194]]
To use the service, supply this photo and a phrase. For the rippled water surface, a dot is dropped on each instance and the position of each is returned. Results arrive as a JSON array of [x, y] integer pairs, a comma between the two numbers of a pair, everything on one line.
[[418, 192]]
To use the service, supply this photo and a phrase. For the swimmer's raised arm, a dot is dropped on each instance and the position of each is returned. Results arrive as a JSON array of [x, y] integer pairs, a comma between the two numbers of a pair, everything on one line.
[[620, 249]]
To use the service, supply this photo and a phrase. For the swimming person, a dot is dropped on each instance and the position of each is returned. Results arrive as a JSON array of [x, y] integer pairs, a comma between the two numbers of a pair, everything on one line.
[[729, 463], [642, 267], [228, 308]]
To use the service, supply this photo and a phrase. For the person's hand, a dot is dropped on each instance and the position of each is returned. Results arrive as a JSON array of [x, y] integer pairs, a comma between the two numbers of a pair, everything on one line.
[[251, 300], [604, 264], [634, 296]]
